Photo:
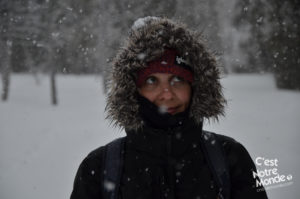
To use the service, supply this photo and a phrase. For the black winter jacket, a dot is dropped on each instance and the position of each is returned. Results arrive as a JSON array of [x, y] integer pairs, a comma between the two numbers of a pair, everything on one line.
[[168, 164]]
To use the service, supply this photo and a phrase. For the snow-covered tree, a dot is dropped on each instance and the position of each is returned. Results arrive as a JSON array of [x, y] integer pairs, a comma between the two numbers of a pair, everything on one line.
[[273, 38], [116, 17], [11, 24]]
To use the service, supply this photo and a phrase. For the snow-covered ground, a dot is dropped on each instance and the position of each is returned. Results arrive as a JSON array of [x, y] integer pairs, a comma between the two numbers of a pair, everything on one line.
[[41, 146]]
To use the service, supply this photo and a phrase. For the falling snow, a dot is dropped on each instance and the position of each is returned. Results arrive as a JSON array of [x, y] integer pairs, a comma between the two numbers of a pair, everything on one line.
[[139, 23], [213, 142], [162, 109], [109, 185], [141, 56]]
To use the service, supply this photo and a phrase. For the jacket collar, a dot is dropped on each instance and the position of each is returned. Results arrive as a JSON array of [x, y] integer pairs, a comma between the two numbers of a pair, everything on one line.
[[165, 142]]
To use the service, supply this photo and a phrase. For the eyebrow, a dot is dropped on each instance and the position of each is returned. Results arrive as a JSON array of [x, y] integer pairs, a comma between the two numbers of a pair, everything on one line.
[[170, 77]]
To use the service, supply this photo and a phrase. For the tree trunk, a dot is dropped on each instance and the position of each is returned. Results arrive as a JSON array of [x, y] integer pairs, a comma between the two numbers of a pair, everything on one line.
[[53, 88], [5, 82], [6, 71]]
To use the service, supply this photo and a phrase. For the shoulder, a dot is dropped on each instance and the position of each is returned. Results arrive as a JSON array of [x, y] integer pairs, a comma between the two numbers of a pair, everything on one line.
[[229, 144], [241, 168], [96, 153], [235, 152], [226, 142], [87, 180], [239, 160], [92, 164], [95, 159]]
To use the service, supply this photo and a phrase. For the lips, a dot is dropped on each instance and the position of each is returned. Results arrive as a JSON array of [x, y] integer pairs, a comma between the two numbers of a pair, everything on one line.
[[165, 109], [172, 110]]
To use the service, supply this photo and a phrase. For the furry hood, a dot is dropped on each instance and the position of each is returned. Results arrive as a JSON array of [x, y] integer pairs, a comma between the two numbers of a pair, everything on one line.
[[147, 41]]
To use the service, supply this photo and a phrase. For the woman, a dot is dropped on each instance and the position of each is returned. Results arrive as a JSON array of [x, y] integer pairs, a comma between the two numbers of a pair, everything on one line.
[[164, 84]]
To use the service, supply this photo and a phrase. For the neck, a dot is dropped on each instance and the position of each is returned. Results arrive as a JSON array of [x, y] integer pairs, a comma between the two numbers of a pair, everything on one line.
[[153, 118]]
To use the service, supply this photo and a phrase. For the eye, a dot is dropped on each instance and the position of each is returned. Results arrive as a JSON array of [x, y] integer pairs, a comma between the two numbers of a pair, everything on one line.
[[177, 79], [151, 80]]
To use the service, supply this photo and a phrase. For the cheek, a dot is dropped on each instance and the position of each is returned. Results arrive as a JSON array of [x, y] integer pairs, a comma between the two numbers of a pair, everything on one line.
[[185, 96], [148, 95]]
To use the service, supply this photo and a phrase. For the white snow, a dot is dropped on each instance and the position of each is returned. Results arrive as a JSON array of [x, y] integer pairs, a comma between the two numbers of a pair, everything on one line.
[[162, 109], [109, 185], [141, 56], [140, 22], [41, 146]]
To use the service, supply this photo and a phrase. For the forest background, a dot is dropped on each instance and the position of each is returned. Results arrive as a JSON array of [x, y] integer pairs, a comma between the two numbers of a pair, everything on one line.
[[82, 36]]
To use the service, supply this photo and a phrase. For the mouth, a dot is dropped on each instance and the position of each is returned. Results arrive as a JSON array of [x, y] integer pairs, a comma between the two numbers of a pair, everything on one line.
[[172, 110]]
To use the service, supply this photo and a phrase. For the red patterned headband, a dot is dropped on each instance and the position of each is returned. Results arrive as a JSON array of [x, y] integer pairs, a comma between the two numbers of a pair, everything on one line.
[[169, 62]]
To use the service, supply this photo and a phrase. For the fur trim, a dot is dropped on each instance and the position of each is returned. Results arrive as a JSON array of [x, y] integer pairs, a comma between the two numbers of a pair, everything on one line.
[[147, 43]]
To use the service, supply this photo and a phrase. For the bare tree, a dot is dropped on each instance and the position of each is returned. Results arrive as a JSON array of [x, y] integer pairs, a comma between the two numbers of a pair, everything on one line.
[[6, 41], [6, 70], [55, 34], [116, 17]]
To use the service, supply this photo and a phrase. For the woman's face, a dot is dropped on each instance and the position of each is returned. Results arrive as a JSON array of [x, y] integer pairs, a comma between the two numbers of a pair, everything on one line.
[[169, 92]]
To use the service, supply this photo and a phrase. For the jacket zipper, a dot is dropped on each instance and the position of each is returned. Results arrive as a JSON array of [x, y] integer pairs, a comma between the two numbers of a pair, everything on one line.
[[170, 170]]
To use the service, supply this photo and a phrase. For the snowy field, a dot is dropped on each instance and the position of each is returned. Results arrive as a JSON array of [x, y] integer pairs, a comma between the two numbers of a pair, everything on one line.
[[41, 146]]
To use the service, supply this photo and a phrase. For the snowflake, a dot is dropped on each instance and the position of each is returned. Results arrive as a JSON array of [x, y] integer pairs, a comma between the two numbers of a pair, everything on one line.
[[142, 22]]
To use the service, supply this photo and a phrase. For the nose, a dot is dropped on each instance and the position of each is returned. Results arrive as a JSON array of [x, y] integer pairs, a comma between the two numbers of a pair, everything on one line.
[[166, 92]]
